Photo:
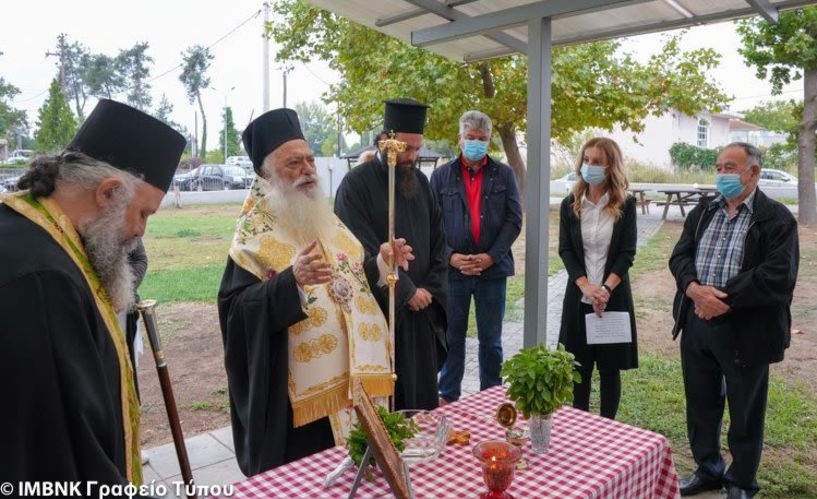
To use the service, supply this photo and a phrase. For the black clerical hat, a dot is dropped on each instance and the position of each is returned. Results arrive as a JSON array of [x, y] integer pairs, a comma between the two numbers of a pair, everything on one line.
[[265, 133], [405, 115], [128, 139]]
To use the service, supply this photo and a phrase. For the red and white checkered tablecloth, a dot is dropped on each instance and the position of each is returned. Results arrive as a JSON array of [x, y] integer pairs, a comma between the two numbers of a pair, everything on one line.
[[589, 457]]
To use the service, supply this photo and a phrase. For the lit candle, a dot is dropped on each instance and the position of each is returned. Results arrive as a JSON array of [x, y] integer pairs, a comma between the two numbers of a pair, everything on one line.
[[498, 462]]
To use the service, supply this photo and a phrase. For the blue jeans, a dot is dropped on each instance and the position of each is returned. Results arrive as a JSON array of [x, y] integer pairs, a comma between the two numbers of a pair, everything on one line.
[[489, 299]]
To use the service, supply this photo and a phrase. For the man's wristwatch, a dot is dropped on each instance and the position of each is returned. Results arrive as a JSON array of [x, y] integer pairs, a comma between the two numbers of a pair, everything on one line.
[[608, 288]]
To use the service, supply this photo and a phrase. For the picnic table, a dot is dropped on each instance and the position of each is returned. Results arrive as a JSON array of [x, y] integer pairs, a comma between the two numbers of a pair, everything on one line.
[[641, 200], [684, 197], [589, 456]]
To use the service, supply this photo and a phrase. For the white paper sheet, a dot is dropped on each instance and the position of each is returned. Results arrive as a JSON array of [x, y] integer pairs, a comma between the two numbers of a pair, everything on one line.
[[611, 327]]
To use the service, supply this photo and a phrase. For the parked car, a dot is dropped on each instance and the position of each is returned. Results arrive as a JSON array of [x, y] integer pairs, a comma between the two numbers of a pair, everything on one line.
[[565, 184], [776, 178], [237, 177], [242, 161], [214, 178], [10, 184], [20, 156], [184, 181]]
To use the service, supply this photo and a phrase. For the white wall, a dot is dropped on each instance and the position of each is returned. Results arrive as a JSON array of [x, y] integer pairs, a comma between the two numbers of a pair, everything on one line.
[[760, 138], [660, 132], [330, 180]]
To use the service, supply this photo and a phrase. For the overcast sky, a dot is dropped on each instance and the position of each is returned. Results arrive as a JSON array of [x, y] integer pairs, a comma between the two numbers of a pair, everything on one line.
[[30, 28]]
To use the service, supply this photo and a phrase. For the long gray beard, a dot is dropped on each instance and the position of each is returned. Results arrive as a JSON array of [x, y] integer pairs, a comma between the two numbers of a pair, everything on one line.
[[108, 254], [406, 181], [308, 217]]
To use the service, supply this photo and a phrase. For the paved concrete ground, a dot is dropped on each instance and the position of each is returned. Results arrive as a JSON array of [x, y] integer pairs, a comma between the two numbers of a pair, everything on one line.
[[212, 454]]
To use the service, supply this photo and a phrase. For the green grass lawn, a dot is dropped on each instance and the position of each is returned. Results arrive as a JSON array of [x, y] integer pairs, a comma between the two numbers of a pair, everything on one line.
[[653, 398], [187, 251]]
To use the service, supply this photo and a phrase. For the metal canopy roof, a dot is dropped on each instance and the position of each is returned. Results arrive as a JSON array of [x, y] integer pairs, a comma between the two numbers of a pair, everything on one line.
[[469, 30]]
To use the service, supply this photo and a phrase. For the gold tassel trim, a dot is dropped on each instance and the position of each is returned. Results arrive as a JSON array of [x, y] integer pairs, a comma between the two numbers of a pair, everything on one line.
[[320, 406], [378, 385]]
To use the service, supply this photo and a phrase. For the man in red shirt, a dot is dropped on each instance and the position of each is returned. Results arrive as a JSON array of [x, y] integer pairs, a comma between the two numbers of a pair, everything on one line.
[[482, 217]]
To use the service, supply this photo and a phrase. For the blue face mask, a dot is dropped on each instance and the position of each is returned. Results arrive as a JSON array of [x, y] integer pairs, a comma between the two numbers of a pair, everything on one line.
[[474, 150], [593, 174], [729, 184]]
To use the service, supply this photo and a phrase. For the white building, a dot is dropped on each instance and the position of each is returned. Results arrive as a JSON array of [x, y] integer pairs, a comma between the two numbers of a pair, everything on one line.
[[651, 146], [742, 131]]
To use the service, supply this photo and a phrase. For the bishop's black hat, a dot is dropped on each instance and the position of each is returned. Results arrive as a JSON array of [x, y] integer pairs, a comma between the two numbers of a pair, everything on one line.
[[405, 115], [130, 140], [267, 132]]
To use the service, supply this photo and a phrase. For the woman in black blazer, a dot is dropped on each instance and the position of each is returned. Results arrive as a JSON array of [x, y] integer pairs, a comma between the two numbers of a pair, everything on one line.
[[597, 240]]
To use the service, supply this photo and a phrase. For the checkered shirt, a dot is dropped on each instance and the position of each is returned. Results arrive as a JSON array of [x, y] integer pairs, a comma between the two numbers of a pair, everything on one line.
[[720, 250]]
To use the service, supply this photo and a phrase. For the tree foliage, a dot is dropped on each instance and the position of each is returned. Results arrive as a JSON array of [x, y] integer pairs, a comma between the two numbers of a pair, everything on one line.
[[56, 125], [103, 77], [593, 85], [782, 116], [72, 58], [196, 62], [134, 68], [777, 116], [12, 120], [163, 111], [317, 124], [85, 74], [781, 53]]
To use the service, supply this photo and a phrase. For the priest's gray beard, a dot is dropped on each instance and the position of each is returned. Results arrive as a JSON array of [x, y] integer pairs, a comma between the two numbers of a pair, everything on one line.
[[108, 253], [304, 213]]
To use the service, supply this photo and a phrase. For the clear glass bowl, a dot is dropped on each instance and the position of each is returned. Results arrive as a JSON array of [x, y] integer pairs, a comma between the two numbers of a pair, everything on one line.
[[431, 435]]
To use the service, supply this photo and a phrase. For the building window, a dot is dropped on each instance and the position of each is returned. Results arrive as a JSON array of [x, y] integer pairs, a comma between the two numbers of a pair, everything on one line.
[[703, 133]]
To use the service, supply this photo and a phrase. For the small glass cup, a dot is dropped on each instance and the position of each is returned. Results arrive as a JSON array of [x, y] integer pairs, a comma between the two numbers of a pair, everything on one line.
[[498, 460]]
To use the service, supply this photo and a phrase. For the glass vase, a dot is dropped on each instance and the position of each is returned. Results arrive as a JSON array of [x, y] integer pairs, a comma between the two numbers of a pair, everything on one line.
[[539, 427]]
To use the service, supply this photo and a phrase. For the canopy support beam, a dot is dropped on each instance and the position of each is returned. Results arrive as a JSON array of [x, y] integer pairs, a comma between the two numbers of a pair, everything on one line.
[[537, 192]]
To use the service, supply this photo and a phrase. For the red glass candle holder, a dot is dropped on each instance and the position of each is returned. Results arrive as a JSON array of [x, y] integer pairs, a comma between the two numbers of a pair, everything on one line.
[[498, 459]]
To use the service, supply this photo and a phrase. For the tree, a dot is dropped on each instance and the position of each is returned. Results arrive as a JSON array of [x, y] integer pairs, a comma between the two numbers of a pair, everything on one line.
[[782, 116], [317, 125], [12, 121], [592, 85], [134, 67], [163, 111], [784, 52], [329, 147], [56, 125], [196, 61], [777, 116], [229, 132], [72, 59], [102, 76]]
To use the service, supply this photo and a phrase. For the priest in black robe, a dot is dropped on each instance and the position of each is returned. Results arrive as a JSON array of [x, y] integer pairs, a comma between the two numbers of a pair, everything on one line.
[[298, 320], [420, 302], [70, 411]]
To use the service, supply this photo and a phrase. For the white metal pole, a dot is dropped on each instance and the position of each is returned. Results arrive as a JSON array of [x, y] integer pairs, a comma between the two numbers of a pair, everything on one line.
[[537, 193], [266, 57]]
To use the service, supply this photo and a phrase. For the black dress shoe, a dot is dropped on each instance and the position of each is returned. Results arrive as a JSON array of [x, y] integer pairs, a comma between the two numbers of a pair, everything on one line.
[[694, 484], [738, 493]]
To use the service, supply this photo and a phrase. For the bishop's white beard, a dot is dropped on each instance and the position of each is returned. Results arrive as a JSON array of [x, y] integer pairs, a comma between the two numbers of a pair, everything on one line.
[[306, 214], [108, 254]]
